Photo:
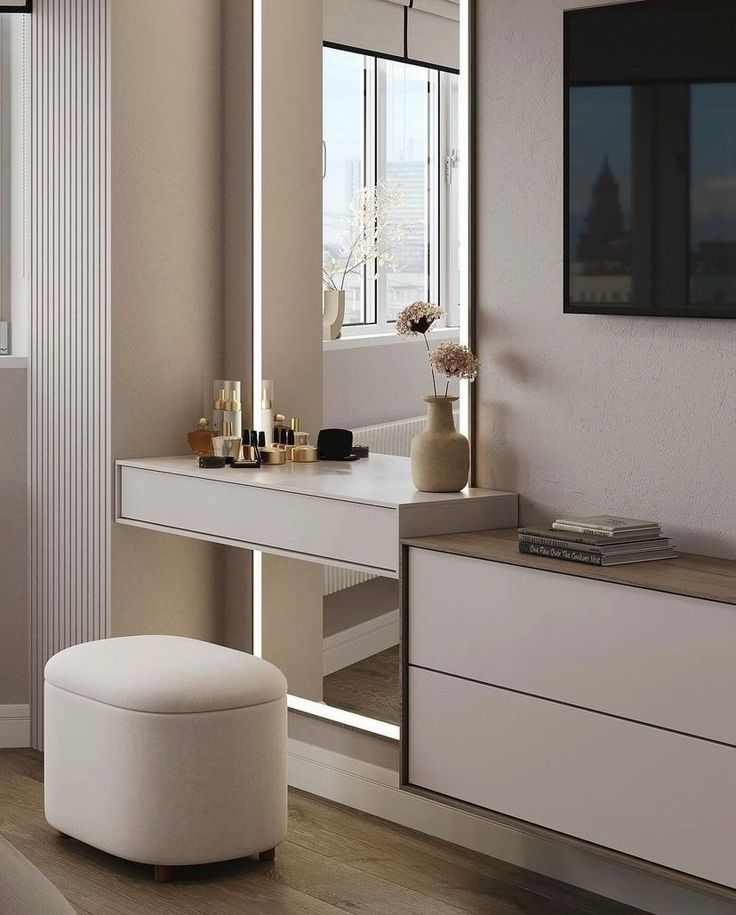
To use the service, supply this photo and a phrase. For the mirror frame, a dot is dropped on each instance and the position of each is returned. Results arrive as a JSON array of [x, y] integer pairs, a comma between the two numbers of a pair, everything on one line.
[[468, 329]]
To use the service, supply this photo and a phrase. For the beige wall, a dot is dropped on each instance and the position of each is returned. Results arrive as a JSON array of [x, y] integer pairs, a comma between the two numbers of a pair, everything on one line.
[[13, 548], [167, 314], [290, 180], [581, 413]]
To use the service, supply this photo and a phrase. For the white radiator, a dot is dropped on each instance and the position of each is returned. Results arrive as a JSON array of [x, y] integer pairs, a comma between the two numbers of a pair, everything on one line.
[[385, 438], [390, 438]]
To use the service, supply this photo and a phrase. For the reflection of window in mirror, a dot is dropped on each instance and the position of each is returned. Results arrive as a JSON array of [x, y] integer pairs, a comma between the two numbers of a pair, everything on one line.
[[394, 126], [393, 122]]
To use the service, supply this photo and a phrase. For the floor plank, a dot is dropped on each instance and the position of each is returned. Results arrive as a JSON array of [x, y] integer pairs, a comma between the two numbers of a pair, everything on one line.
[[334, 861], [467, 879], [370, 687]]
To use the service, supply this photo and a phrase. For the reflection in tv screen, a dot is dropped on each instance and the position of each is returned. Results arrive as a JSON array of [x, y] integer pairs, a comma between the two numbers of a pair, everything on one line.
[[651, 159]]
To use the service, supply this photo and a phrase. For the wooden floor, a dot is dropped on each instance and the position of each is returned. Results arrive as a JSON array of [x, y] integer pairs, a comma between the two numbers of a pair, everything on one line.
[[370, 687], [334, 861]]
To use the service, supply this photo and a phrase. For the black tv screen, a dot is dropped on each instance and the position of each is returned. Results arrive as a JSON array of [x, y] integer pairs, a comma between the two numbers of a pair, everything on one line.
[[650, 159]]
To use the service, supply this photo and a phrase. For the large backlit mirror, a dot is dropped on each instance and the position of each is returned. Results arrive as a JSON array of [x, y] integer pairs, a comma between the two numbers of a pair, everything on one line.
[[354, 101]]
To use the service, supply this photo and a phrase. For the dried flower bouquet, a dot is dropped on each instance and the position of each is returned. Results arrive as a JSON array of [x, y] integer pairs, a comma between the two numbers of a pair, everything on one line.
[[453, 360]]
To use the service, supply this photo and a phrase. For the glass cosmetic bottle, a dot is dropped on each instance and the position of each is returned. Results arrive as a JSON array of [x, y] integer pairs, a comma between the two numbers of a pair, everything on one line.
[[200, 439], [266, 415]]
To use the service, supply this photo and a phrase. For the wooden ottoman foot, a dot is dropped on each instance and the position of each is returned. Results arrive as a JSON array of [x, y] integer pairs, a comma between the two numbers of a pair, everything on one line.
[[268, 855], [162, 873]]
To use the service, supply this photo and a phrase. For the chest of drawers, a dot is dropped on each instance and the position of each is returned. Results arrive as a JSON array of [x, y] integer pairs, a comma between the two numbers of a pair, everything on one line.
[[597, 704]]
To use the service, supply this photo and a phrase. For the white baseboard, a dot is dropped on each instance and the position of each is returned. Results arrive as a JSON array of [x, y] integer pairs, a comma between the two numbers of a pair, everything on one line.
[[375, 790], [362, 641], [15, 726]]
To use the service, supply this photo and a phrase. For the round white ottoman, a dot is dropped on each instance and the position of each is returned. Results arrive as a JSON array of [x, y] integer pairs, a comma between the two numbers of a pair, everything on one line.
[[166, 750]]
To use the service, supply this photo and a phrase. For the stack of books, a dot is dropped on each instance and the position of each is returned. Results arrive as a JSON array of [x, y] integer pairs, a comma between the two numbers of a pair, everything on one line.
[[602, 540]]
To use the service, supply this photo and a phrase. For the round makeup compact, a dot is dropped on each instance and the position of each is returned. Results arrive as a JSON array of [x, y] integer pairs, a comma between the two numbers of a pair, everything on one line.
[[272, 456], [304, 454]]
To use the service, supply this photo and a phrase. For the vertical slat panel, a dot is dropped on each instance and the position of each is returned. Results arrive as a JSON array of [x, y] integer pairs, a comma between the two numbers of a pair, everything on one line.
[[69, 454]]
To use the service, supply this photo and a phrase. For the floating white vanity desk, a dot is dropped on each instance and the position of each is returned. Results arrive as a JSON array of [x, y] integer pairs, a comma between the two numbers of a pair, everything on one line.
[[340, 514], [347, 514]]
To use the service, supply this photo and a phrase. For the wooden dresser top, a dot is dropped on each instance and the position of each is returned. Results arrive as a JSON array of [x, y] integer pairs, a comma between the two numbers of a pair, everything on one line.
[[690, 575]]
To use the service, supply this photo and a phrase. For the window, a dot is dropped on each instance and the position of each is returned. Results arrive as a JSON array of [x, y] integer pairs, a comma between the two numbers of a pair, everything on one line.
[[388, 121]]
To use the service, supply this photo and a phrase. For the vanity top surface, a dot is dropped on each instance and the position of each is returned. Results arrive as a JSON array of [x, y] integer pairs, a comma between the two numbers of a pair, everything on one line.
[[691, 575], [381, 479]]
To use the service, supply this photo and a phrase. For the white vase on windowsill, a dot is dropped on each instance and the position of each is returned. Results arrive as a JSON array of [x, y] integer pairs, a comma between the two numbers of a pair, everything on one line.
[[333, 313]]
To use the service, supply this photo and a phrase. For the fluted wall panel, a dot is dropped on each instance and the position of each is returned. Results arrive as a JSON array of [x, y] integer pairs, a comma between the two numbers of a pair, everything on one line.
[[69, 453]]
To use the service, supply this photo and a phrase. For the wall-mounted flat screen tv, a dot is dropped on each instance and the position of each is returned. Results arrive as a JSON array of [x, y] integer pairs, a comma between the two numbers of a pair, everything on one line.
[[650, 159]]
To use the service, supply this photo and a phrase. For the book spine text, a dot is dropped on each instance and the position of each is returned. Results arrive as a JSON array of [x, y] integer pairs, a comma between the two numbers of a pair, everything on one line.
[[553, 552]]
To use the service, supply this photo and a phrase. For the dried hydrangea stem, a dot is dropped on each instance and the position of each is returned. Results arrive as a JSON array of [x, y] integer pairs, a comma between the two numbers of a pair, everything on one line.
[[431, 367]]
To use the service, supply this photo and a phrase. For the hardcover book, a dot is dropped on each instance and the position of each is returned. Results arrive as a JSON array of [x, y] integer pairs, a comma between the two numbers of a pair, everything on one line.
[[606, 525], [608, 547], [585, 537], [594, 559]]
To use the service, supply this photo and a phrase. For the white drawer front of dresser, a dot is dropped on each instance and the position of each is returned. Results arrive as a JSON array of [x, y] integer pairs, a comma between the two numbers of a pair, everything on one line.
[[644, 655], [660, 796], [315, 527]]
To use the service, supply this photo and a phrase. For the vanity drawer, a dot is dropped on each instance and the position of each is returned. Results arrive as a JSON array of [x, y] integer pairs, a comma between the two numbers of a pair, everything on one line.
[[653, 794], [645, 655], [312, 527]]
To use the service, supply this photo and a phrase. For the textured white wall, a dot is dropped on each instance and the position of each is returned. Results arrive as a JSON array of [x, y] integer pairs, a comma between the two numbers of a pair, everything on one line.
[[582, 413], [14, 543]]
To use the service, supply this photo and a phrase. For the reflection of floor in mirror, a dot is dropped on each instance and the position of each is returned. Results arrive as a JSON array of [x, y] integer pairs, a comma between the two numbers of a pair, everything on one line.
[[371, 687]]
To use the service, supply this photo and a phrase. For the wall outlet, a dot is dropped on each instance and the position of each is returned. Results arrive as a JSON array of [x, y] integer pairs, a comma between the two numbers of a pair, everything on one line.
[[4, 338]]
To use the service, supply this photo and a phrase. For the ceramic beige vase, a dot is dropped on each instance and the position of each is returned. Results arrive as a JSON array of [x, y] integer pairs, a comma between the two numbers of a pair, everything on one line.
[[440, 456], [333, 313]]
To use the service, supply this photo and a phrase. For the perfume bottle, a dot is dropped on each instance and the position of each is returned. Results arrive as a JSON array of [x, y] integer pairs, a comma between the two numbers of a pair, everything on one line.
[[233, 404], [266, 415], [200, 439]]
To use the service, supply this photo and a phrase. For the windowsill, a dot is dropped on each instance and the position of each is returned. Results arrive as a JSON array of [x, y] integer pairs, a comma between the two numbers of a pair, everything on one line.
[[392, 339], [13, 362]]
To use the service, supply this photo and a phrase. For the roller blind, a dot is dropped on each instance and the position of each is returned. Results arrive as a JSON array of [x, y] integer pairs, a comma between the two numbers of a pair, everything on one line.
[[433, 32], [425, 31], [15, 6]]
